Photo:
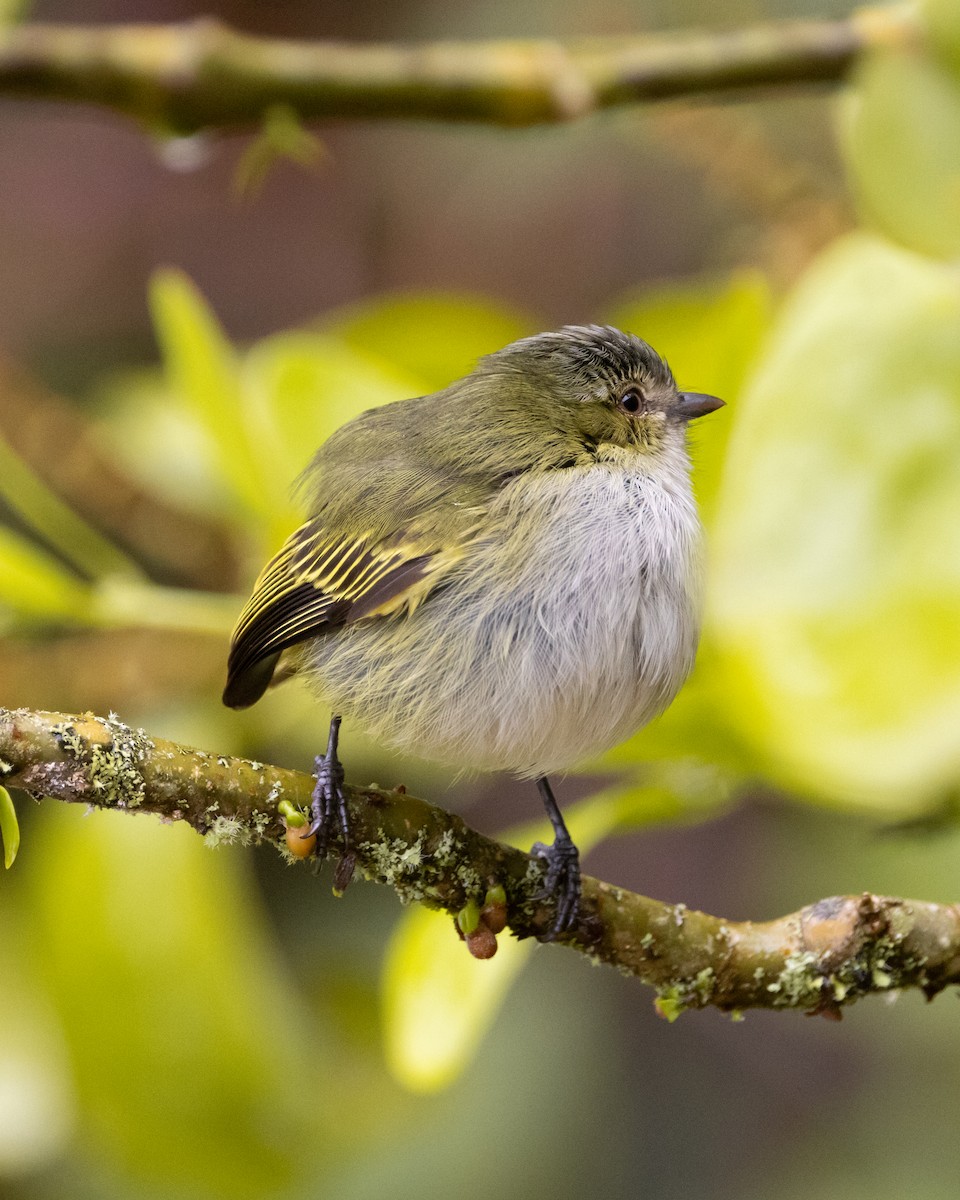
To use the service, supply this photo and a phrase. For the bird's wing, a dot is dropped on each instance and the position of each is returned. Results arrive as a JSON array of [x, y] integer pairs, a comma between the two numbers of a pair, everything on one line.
[[320, 580]]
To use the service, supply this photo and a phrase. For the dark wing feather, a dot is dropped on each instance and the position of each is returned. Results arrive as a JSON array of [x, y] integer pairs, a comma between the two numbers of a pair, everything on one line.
[[317, 582]]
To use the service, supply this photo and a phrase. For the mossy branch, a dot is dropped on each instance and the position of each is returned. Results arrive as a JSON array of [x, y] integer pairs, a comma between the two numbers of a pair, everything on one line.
[[202, 75], [818, 959]]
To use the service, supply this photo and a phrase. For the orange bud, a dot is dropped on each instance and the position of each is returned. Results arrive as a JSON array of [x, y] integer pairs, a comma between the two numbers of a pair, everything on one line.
[[298, 845]]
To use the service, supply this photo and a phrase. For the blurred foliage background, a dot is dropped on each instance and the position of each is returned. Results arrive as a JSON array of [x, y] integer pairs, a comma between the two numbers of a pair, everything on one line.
[[177, 1022]]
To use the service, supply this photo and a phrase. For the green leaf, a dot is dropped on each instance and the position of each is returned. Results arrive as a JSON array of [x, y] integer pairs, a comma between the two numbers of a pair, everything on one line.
[[282, 136], [35, 585], [669, 1004], [301, 386], [438, 1001], [674, 791], [9, 829], [902, 139], [38, 1116], [128, 604], [57, 523], [834, 595], [942, 21], [144, 425], [432, 338], [694, 735], [12, 12], [202, 369], [195, 1064]]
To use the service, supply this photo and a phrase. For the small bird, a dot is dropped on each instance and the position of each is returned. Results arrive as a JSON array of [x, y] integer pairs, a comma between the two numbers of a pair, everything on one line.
[[503, 575]]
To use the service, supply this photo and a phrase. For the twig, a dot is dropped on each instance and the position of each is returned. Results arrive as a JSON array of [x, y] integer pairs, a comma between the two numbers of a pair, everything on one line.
[[818, 959], [202, 74]]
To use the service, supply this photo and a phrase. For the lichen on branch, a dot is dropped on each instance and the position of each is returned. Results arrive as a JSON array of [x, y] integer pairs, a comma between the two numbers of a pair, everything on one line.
[[818, 959]]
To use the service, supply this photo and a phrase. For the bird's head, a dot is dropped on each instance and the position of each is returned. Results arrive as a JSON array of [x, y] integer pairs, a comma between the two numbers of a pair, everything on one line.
[[599, 386]]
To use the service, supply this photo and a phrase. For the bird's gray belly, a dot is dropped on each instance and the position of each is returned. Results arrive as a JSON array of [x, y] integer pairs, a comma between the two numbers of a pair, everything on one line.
[[565, 630]]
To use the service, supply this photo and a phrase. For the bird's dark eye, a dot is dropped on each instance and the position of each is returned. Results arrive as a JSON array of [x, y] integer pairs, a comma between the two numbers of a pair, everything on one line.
[[630, 401]]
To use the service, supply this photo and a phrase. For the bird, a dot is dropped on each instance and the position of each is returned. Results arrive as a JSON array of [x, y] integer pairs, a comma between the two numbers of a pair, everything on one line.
[[503, 575]]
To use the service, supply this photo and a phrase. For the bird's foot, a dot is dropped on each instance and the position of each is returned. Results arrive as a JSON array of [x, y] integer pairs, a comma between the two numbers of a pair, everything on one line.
[[562, 884], [329, 804]]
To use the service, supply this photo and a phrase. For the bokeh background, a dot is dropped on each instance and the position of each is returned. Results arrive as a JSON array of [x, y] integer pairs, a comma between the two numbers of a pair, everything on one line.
[[179, 1021]]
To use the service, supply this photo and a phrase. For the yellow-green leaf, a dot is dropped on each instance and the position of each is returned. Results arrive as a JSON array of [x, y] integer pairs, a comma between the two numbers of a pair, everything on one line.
[[9, 829], [902, 138], [438, 1001], [33, 584], [12, 12], [185, 1038], [56, 522], [38, 1110], [671, 792], [281, 136], [835, 586], [942, 21], [302, 386], [433, 338], [202, 369]]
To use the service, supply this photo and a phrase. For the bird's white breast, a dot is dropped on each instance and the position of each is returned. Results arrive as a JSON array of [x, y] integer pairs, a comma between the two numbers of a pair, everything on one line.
[[570, 624]]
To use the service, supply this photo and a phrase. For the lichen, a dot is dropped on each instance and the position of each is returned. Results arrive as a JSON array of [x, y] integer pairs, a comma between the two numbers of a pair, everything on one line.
[[261, 822], [70, 741], [881, 978], [113, 767], [227, 831], [799, 983], [469, 879], [880, 965], [292, 860], [704, 984], [444, 853], [399, 864]]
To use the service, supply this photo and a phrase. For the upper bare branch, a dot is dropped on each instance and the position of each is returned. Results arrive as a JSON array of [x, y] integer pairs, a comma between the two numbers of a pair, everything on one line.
[[198, 75]]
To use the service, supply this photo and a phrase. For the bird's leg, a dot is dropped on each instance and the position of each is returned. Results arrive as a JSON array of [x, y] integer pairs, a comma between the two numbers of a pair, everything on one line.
[[562, 884], [328, 803]]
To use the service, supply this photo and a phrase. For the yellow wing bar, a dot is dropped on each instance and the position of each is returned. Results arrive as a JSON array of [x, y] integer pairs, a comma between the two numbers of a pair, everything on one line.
[[316, 582]]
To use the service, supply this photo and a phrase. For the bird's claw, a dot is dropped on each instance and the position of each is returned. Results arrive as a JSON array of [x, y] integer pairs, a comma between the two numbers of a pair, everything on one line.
[[562, 883], [329, 802]]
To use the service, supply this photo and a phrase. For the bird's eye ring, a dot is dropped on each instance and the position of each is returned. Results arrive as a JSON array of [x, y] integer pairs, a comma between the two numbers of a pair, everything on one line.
[[630, 401]]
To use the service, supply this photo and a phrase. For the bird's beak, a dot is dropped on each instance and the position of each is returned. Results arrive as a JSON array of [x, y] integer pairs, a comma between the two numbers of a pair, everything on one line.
[[697, 404]]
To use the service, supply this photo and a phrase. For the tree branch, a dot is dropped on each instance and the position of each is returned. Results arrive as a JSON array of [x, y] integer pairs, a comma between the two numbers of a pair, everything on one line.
[[201, 74], [818, 959]]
